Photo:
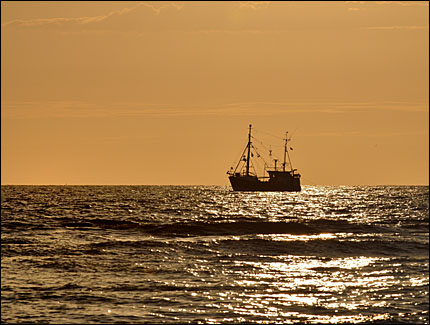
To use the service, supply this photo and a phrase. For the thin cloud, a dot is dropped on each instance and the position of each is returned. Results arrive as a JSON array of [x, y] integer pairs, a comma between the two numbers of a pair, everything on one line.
[[143, 16], [76, 109], [255, 4], [60, 21], [361, 134], [400, 3], [398, 27], [403, 3], [211, 17]]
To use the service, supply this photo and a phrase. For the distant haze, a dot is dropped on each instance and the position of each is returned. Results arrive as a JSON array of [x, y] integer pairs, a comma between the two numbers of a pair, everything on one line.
[[163, 92]]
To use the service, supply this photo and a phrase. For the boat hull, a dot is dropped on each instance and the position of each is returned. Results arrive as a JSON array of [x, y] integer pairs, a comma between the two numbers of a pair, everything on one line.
[[287, 183]]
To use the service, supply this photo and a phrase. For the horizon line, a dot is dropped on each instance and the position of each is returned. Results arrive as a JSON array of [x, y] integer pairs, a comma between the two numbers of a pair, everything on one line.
[[204, 185]]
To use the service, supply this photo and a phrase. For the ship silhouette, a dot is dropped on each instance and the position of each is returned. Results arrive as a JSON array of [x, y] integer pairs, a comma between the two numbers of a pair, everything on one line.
[[242, 178]]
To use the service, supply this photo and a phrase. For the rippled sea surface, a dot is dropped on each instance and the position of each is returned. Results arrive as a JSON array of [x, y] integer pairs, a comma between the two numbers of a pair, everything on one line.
[[194, 254]]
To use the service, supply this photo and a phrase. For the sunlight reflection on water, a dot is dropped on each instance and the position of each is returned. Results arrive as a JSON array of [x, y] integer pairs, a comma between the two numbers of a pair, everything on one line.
[[210, 255]]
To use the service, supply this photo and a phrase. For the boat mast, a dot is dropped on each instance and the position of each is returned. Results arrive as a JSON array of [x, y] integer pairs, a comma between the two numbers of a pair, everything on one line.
[[286, 152], [249, 150]]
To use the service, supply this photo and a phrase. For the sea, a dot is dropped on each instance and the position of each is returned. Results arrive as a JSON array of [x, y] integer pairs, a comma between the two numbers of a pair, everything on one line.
[[209, 255]]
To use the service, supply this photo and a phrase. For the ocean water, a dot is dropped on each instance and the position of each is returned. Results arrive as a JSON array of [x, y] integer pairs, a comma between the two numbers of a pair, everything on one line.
[[196, 254]]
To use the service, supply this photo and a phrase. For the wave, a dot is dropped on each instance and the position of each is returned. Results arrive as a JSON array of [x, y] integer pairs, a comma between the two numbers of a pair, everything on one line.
[[230, 228], [199, 228], [242, 227], [103, 223], [322, 247]]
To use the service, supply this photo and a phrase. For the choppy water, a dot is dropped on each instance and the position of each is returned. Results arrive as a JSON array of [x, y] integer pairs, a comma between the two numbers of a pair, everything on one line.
[[178, 254]]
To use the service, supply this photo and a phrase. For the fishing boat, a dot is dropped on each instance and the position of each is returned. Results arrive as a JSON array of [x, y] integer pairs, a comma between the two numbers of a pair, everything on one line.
[[279, 178]]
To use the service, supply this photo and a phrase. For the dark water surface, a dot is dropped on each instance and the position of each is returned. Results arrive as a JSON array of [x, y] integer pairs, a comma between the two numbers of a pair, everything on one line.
[[194, 254]]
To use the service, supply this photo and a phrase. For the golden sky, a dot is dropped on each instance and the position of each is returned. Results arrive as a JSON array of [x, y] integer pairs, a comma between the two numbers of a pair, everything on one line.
[[163, 92]]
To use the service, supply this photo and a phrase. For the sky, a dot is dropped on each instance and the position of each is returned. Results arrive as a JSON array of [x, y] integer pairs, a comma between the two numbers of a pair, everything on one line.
[[162, 93]]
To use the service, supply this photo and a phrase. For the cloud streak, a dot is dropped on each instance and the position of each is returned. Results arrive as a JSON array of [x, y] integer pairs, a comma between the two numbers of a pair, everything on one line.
[[255, 5], [402, 3], [60, 21], [64, 109], [258, 16], [398, 27]]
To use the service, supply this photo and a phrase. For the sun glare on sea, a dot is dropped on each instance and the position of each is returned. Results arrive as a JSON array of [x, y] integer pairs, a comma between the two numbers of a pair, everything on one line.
[[297, 281]]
